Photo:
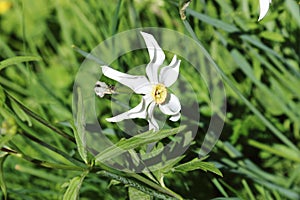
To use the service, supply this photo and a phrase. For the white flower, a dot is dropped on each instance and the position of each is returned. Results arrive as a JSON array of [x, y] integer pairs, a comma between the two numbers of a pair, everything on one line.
[[153, 86], [263, 8]]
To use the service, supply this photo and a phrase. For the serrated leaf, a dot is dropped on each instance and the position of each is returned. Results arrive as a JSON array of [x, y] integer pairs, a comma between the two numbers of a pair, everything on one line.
[[72, 192], [17, 60], [79, 131], [135, 194], [136, 141], [198, 164]]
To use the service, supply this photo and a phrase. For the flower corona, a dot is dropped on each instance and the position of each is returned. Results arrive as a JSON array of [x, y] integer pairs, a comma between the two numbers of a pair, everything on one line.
[[159, 93]]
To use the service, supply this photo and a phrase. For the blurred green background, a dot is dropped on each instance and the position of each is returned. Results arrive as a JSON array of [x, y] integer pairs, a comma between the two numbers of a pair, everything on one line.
[[258, 153]]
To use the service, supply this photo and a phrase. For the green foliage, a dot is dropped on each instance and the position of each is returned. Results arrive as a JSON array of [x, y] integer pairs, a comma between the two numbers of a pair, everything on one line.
[[74, 187], [44, 154], [2, 180], [134, 142], [198, 164]]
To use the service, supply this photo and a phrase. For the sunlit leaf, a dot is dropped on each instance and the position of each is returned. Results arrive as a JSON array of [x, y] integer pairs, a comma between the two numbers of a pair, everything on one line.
[[17, 60], [74, 187], [270, 35]]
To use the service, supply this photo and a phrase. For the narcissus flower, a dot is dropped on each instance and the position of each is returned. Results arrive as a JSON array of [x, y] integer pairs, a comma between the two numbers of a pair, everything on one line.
[[263, 8], [153, 86]]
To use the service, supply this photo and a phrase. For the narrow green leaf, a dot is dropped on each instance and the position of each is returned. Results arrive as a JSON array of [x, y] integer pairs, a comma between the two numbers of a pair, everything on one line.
[[39, 119], [289, 193], [212, 21], [198, 164], [293, 7], [88, 55], [49, 164], [17, 60], [249, 169], [20, 113], [277, 149], [2, 96], [264, 120], [131, 143], [72, 192], [79, 131], [220, 188], [2, 181], [272, 99], [41, 173], [256, 42], [135, 194], [247, 188], [115, 18]]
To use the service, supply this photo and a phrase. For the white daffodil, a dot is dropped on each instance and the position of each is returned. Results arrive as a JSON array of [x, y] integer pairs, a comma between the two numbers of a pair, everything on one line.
[[263, 8], [153, 86]]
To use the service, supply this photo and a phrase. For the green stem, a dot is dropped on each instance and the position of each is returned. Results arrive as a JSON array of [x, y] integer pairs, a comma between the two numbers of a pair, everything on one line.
[[145, 182], [134, 184]]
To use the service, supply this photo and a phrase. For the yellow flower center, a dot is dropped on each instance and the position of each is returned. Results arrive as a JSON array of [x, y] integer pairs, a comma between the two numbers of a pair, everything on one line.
[[159, 93]]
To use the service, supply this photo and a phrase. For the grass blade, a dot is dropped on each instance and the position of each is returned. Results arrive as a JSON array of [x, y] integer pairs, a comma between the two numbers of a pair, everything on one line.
[[17, 60]]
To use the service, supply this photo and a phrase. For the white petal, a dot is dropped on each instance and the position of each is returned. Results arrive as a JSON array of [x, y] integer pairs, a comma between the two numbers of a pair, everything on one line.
[[175, 118], [169, 74], [100, 88], [172, 107], [139, 84], [263, 8], [153, 125], [157, 57], [140, 111]]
